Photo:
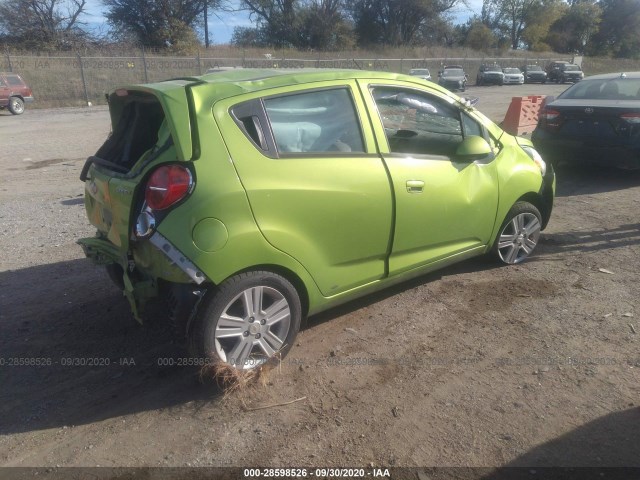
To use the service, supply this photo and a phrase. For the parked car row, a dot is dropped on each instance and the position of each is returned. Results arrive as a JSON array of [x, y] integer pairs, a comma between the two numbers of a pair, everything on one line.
[[454, 78]]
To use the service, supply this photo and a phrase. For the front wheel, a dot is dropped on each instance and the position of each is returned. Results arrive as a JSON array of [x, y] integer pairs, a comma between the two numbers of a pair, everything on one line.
[[248, 320], [16, 105], [519, 233]]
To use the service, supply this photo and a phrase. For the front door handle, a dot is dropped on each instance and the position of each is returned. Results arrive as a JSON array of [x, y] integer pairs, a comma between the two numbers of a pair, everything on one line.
[[415, 186]]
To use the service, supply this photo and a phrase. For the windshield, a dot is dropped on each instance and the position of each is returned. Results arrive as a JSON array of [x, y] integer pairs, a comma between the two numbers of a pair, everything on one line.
[[511, 70], [419, 71], [604, 89], [572, 68], [534, 68], [494, 68], [453, 72]]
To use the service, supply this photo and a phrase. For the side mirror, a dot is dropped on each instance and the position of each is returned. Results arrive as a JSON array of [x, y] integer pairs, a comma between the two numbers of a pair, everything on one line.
[[473, 148]]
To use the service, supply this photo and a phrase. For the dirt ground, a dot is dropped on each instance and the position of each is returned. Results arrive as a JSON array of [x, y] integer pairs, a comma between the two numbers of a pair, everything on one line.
[[476, 365]]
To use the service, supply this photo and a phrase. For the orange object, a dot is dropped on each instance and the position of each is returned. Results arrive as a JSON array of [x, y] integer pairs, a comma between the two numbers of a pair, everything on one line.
[[522, 115]]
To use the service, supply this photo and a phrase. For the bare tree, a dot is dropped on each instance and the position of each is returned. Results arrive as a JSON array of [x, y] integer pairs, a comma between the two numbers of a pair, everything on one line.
[[42, 22], [395, 22], [159, 24]]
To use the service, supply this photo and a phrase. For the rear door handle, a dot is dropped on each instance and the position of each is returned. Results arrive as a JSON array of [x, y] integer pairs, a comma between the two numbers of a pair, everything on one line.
[[415, 186]]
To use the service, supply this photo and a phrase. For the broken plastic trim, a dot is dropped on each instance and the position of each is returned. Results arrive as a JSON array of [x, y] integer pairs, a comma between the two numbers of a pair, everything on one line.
[[177, 258]]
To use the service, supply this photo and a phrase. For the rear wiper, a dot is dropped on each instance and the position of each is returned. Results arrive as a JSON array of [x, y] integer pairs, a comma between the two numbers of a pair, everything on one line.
[[100, 161]]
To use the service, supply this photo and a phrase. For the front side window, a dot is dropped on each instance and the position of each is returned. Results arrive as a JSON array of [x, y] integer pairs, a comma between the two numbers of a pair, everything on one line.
[[315, 122], [419, 123]]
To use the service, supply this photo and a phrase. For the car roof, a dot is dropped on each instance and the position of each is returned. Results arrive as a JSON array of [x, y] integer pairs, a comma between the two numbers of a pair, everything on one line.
[[234, 82], [612, 76], [258, 79]]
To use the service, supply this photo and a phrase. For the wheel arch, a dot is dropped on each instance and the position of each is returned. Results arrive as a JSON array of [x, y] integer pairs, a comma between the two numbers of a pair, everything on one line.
[[289, 275], [538, 201]]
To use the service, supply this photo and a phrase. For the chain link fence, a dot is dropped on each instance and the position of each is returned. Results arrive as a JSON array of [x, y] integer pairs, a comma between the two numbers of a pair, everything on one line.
[[74, 80]]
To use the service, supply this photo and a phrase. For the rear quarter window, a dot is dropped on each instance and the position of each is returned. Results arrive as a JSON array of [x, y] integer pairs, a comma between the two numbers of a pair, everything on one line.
[[315, 122], [14, 80]]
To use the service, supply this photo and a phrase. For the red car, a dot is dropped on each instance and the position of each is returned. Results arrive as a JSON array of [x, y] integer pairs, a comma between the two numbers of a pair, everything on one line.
[[14, 93]]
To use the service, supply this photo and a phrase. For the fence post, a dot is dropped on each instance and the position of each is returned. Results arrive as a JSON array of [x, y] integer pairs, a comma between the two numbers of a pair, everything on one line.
[[401, 69], [84, 82], [9, 61], [144, 64], [198, 61]]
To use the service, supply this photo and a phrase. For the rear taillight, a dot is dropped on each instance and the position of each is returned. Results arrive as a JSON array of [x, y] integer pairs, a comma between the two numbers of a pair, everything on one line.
[[550, 119], [549, 115], [167, 185], [632, 118]]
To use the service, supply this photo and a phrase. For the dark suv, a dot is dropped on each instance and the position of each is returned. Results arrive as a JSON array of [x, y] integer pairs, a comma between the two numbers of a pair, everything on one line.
[[453, 78], [490, 74], [561, 72], [14, 93]]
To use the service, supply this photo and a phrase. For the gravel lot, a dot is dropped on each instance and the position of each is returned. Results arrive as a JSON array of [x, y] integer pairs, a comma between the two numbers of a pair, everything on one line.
[[476, 365]]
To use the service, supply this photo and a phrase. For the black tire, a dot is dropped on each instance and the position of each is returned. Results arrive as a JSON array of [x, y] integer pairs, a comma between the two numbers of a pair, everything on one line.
[[16, 105], [518, 235], [246, 341]]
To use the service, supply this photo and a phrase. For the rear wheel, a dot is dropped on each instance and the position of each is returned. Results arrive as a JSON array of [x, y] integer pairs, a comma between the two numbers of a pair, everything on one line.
[[16, 105], [519, 233], [248, 320]]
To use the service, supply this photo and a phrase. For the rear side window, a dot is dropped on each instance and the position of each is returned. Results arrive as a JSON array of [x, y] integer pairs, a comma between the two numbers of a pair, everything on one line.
[[14, 80], [315, 122]]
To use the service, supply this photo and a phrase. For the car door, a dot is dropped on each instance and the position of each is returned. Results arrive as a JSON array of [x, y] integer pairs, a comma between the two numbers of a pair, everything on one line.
[[317, 187], [444, 205], [4, 92]]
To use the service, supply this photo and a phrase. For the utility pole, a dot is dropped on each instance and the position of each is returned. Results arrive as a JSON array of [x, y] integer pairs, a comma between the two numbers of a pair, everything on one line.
[[206, 25]]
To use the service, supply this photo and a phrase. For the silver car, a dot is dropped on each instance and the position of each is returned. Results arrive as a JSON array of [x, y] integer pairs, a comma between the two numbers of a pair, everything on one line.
[[421, 72], [512, 76]]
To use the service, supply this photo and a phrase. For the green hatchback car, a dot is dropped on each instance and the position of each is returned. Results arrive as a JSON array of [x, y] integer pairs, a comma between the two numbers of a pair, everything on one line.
[[250, 199]]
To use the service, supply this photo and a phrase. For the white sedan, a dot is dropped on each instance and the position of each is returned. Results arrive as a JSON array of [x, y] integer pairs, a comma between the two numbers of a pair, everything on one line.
[[513, 76]]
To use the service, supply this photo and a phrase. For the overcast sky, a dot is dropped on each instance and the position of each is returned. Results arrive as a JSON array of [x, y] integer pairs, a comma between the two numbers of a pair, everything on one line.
[[221, 29]]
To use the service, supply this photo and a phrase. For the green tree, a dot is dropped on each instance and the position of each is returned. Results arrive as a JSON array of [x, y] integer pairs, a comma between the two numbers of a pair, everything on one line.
[[572, 32], [509, 17], [43, 23], [538, 21], [157, 24], [619, 32], [479, 36], [324, 26]]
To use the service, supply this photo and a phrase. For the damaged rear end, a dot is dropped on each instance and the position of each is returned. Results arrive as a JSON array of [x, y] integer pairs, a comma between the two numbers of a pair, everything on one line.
[[142, 171]]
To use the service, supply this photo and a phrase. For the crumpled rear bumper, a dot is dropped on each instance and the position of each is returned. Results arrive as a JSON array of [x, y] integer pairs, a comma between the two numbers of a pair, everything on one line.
[[143, 266]]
